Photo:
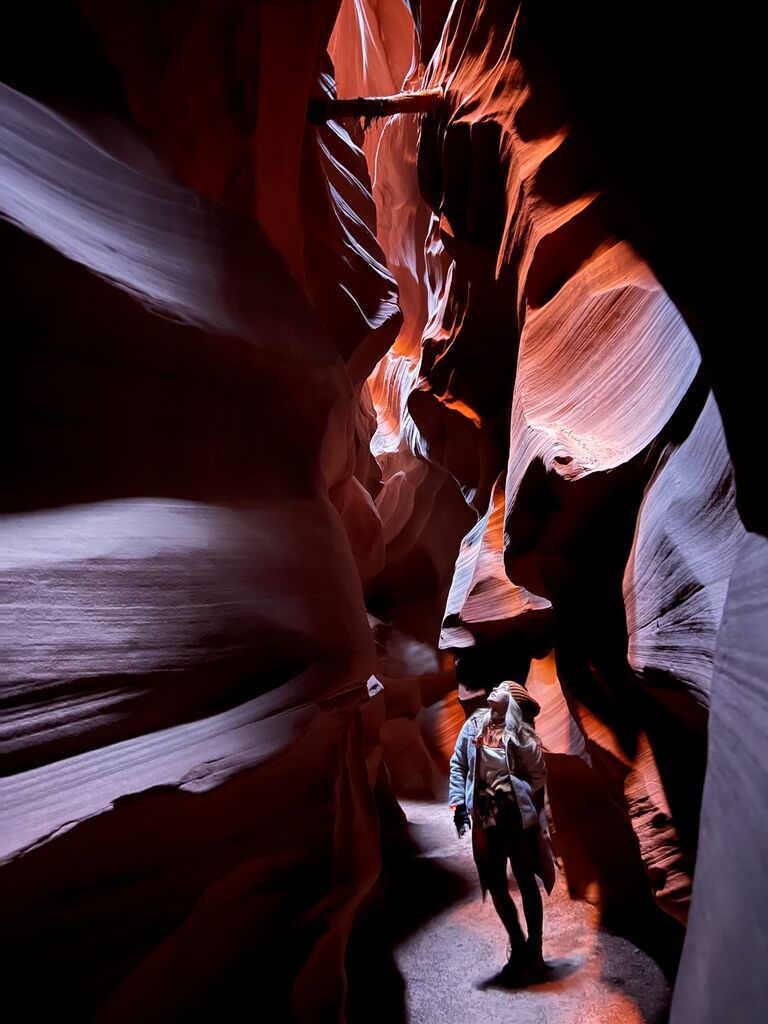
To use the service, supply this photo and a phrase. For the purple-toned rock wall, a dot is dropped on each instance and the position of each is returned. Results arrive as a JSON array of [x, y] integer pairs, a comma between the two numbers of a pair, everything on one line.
[[314, 428]]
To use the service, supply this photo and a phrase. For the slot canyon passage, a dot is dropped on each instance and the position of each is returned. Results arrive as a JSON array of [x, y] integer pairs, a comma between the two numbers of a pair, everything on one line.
[[319, 426]]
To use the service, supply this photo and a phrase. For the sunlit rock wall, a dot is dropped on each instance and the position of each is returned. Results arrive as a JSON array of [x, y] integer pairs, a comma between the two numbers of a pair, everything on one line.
[[375, 48], [588, 360], [620, 493], [559, 384]]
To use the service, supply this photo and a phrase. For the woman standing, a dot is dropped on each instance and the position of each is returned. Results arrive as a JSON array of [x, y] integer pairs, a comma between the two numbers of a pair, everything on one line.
[[497, 784]]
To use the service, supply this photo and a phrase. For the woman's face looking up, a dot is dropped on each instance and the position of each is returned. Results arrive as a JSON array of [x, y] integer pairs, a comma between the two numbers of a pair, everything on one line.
[[498, 699]]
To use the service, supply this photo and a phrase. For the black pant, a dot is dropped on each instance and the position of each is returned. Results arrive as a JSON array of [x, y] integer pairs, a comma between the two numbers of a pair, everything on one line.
[[492, 847]]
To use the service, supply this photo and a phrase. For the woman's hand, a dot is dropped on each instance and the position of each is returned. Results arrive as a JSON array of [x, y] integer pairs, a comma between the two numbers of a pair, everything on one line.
[[461, 819]]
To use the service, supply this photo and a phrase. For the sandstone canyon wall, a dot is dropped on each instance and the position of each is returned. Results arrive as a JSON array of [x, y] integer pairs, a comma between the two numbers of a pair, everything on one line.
[[302, 417], [559, 383], [188, 822]]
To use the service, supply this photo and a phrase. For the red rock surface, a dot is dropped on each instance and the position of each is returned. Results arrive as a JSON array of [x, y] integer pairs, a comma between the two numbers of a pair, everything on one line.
[[189, 647], [312, 423], [616, 504]]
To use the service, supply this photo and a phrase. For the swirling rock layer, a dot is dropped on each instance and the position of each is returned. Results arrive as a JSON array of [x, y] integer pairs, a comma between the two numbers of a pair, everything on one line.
[[560, 385], [185, 530], [453, 373]]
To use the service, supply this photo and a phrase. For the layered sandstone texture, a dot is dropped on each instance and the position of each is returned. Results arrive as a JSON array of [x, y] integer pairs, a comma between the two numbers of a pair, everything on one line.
[[303, 416], [196, 298], [559, 383]]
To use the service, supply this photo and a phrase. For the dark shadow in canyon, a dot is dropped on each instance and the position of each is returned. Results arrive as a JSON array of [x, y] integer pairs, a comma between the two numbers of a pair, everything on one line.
[[164, 884], [650, 135], [556, 977], [410, 890], [180, 416]]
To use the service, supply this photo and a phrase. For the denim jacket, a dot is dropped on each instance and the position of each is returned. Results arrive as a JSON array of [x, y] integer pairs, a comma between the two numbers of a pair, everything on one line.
[[527, 772]]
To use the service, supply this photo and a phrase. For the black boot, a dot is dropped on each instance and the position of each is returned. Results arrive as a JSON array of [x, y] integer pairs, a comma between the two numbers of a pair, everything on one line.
[[533, 956], [517, 956]]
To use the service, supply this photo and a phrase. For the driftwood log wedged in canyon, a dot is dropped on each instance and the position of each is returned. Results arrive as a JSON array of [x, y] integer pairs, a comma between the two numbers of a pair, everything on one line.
[[371, 107]]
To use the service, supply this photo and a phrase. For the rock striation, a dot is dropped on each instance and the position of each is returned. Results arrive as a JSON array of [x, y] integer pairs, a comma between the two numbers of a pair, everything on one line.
[[185, 729], [319, 431], [559, 383]]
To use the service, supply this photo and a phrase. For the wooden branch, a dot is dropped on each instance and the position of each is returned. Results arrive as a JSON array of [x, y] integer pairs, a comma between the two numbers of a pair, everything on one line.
[[368, 107]]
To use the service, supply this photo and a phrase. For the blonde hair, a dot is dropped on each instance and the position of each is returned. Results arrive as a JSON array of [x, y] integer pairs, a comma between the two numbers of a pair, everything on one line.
[[516, 730]]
